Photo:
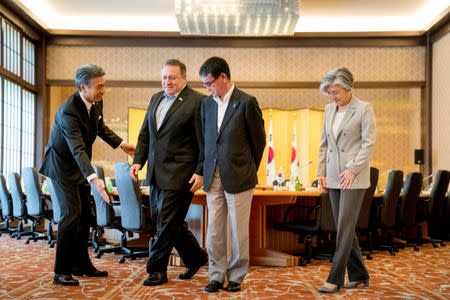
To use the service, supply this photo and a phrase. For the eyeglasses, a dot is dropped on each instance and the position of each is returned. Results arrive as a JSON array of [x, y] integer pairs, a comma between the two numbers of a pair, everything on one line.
[[334, 93], [208, 84]]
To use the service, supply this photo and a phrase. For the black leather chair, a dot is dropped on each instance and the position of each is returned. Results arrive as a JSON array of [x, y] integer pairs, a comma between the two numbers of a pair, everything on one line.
[[106, 218], [7, 209], [135, 214], [367, 215], [389, 209], [409, 202], [437, 219], [37, 206], [19, 206], [319, 220]]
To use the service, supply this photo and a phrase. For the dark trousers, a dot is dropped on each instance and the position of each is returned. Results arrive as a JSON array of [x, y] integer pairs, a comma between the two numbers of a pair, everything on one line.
[[346, 205], [169, 209], [73, 228]]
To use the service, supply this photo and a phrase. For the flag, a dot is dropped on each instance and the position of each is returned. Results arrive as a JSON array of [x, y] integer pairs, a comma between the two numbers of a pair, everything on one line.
[[270, 168], [294, 157]]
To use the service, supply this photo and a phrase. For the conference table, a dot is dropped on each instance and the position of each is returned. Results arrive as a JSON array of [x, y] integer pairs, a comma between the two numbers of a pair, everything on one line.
[[260, 228], [267, 246]]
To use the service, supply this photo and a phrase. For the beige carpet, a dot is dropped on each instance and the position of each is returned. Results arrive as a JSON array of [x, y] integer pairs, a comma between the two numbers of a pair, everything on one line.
[[26, 272]]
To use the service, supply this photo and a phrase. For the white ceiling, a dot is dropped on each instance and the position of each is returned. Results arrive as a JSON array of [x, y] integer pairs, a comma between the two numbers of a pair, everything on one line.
[[316, 16]]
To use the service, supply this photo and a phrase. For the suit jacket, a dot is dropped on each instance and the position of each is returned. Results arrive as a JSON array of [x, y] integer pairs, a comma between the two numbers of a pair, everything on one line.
[[238, 146], [175, 151], [353, 146], [69, 150]]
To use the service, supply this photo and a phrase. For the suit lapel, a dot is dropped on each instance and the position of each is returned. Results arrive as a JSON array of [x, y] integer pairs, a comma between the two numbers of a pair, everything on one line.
[[231, 108], [330, 114], [153, 112], [348, 115], [84, 114], [182, 96]]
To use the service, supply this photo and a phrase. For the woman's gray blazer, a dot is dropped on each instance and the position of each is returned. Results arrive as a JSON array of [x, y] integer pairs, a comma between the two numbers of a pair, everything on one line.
[[353, 146]]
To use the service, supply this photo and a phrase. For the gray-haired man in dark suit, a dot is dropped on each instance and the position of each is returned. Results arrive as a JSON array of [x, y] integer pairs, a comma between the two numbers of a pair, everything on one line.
[[67, 162]]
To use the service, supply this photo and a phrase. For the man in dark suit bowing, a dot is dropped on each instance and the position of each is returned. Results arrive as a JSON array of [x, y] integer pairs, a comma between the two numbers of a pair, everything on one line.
[[67, 162], [171, 142], [234, 143]]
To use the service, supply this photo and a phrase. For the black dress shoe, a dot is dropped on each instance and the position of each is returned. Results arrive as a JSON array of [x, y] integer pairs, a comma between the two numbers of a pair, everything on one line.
[[155, 278], [213, 286], [190, 272], [65, 280], [90, 273], [233, 286]]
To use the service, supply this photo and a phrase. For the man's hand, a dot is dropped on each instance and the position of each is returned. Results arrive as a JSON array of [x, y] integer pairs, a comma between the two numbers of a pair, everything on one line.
[[128, 149], [346, 179], [322, 183], [196, 181], [134, 170], [100, 186]]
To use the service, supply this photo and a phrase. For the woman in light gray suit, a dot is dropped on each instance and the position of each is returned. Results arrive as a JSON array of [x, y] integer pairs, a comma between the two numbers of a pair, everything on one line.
[[347, 142]]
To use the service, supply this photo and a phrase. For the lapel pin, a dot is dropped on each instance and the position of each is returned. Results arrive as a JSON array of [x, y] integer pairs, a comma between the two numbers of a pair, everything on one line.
[[234, 105], [180, 99]]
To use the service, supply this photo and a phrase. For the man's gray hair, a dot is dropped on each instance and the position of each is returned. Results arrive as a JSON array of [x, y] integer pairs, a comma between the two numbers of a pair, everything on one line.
[[339, 76], [85, 73]]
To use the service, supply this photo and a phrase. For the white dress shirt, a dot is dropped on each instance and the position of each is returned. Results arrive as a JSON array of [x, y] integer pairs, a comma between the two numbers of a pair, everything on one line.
[[222, 105]]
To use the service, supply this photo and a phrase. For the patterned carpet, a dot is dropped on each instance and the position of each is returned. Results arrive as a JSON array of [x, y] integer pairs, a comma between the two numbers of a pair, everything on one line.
[[26, 272]]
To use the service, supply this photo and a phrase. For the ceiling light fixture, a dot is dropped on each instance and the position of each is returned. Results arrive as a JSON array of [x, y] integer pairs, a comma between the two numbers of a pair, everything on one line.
[[237, 17]]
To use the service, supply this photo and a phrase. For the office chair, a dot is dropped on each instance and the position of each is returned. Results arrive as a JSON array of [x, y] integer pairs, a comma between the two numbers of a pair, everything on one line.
[[438, 211], [367, 214], [19, 207], [107, 218], [389, 208], [36, 205], [97, 230], [56, 208], [409, 202], [7, 210], [317, 221], [135, 215]]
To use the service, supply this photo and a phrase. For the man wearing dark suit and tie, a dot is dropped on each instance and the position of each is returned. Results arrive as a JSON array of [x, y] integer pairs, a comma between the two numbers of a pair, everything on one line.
[[234, 143], [171, 142], [67, 162]]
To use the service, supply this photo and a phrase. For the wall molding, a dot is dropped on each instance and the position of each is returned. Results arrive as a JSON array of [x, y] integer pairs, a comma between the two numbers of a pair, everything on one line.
[[236, 42], [252, 84]]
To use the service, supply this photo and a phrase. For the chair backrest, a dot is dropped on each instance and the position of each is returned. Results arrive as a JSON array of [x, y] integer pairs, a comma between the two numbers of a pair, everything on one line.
[[326, 214], [411, 191], [104, 212], [437, 195], [33, 192], [391, 197], [130, 198], [5, 199], [366, 206], [17, 195], [99, 171], [55, 201]]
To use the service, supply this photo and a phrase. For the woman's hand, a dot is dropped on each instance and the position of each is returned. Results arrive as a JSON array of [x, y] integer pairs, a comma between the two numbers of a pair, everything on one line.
[[346, 179], [322, 183]]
